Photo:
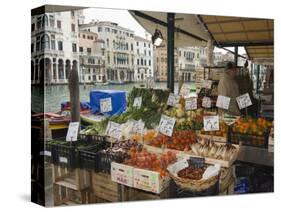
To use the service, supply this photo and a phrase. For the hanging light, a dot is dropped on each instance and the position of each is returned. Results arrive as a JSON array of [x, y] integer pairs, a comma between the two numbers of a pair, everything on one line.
[[157, 38]]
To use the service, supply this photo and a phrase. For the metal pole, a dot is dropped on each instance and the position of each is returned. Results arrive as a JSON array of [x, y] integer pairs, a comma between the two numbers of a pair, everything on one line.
[[170, 50], [258, 79], [236, 55]]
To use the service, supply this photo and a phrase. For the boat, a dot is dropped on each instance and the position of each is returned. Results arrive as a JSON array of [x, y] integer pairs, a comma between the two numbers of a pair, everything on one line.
[[102, 83], [116, 82]]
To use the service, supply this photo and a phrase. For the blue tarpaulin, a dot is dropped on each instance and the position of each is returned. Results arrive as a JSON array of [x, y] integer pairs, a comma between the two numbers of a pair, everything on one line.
[[118, 101]]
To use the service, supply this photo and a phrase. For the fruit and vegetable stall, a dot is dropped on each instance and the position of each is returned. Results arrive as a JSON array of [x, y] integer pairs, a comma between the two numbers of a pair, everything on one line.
[[162, 146]]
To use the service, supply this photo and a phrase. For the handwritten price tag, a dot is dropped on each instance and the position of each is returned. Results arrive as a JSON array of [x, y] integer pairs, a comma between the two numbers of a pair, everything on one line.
[[138, 127], [137, 102], [114, 130], [207, 84], [223, 102], [72, 131], [173, 100], [211, 123], [166, 125], [184, 92], [244, 101], [105, 105], [191, 103], [206, 102]]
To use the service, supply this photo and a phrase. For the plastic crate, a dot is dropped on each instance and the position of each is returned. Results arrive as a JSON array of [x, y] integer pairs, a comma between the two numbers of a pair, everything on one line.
[[93, 138], [249, 140], [88, 156], [104, 161]]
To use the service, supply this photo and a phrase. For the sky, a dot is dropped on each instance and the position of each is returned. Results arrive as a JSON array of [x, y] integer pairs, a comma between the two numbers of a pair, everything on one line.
[[124, 19]]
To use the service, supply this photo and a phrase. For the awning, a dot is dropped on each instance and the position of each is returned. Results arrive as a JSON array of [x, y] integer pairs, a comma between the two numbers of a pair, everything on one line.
[[188, 30], [54, 8], [256, 35]]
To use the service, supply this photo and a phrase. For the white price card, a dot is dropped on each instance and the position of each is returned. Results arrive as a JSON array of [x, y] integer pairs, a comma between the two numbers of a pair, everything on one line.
[[114, 130], [211, 123], [166, 125], [46, 153], [173, 100], [72, 131], [184, 92], [138, 127], [137, 102], [105, 105], [207, 84], [206, 102], [223, 102], [244, 101], [191, 103], [63, 160]]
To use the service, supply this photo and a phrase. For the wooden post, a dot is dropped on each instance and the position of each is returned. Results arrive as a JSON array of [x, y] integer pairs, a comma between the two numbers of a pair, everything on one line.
[[73, 82]]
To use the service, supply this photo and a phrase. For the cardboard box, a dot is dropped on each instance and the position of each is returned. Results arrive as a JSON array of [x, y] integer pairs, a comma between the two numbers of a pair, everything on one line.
[[122, 174], [150, 181]]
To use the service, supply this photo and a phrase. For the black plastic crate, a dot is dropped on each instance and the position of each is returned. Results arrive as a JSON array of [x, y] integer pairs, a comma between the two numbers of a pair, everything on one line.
[[104, 161], [93, 138], [249, 140], [88, 156]]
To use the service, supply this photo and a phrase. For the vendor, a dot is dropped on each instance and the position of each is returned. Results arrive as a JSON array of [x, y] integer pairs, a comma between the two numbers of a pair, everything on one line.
[[228, 87]]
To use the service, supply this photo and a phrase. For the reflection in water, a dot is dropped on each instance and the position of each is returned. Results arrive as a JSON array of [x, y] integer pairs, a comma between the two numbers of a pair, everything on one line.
[[56, 94]]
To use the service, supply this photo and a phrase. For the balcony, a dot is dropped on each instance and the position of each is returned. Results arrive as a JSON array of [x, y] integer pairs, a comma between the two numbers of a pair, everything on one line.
[[47, 29], [54, 53]]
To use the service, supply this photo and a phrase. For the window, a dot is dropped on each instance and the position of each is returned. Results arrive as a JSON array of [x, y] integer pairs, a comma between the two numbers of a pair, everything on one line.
[[131, 35], [107, 29], [53, 42], [149, 62], [58, 24], [138, 51], [144, 44], [74, 47], [32, 27], [37, 43], [137, 43], [32, 47], [132, 47], [45, 20], [108, 59], [149, 45], [39, 22], [145, 62], [149, 52], [114, 31], [60, 46], [99, 29], [52, 20], [84, 36], [141, 61], [138, 61], [179, 53], [73, 27], [127, 46], [72, 14], [107, 43], [45, 42], [89, 50], [80, 49], [145, 52]]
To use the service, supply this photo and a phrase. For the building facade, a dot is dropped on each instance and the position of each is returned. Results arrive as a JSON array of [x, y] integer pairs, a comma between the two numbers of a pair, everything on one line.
[[91, 58], [188, 63], [119, 49], [160, 64], [143, 51], [54, 47]]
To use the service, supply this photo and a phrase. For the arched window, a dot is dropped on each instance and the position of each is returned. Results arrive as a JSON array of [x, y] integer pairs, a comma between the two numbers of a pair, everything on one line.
[[107, 43], [45, 21], [114, 44], [60, 69], [45, 42]]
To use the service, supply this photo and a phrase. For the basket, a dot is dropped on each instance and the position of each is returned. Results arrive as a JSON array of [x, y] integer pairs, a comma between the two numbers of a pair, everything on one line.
[[195, 185]]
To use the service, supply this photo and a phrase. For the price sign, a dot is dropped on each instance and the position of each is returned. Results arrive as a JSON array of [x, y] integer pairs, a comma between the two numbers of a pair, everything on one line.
[[206, 102], [223, 102], [166, 125], [137, 102], [207, 84], [191, 103], [72, 131], [138, 127], [114, 130], [196, 162], [45, 153], [184, 90], [63, 160], [244, 101], [105, 105], [211, 123], [173, 100]]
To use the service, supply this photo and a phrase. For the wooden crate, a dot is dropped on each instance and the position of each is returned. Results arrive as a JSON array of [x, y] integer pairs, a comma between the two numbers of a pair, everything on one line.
[[104, 188], [67, 196], [75, 179], [133, 194]]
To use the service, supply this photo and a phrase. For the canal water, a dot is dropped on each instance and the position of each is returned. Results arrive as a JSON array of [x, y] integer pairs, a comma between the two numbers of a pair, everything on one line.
[[56, 94]]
